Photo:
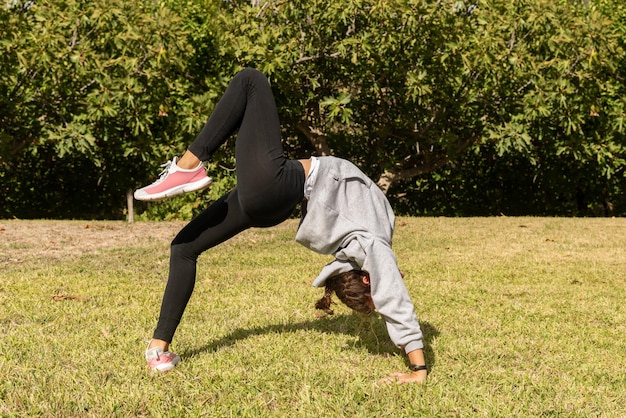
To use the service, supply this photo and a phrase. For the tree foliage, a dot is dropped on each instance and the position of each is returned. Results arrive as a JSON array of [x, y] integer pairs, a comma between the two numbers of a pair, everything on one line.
[[407, 87], [454, 107], [91, 89]]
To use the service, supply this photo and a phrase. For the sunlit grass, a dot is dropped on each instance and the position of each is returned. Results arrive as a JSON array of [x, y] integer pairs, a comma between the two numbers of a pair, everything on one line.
[[522, 317]]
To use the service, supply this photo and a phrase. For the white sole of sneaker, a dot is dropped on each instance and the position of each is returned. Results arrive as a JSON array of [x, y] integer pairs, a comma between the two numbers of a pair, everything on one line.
[[175, 191], [166, 367]]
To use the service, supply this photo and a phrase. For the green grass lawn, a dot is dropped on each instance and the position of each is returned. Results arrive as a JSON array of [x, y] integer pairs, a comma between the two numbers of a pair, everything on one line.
[[521, 316]]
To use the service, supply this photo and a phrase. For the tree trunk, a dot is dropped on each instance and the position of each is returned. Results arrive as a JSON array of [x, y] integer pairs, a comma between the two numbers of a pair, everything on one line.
[[316, 137]]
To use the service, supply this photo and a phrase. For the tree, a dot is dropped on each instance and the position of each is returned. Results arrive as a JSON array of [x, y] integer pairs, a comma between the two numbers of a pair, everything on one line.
[[96, 86], [370, 80], [405, 87], [496, 104]]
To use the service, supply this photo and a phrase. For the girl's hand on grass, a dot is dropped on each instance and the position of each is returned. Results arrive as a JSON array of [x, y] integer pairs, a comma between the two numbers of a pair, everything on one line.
[[400, 378], [416, 357]]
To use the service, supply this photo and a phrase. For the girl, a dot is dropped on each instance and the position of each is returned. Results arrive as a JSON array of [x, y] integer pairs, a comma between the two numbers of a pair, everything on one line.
[[344, 214]]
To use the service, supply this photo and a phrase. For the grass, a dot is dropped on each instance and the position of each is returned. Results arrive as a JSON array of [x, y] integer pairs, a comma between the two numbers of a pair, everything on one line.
[[522, 317]]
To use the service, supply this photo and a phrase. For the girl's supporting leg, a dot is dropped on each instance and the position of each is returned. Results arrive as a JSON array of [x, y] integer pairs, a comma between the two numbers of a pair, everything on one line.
[[221, 221]]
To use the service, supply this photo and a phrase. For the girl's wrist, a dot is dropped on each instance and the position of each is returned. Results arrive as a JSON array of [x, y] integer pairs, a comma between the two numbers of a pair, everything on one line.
[[416, 368]]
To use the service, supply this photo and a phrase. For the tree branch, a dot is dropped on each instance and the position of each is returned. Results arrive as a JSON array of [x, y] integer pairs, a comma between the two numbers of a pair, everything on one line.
[[316, 56], [428, 161]]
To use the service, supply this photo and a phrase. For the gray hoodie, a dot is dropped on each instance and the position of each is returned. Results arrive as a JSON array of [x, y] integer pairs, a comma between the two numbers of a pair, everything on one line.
[[348, 216]]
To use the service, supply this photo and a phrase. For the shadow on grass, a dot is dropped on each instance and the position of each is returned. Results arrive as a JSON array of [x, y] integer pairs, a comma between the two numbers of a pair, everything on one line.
[[370, 330]]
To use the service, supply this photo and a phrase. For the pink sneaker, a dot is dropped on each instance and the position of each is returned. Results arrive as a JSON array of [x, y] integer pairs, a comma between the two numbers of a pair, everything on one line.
[[162, 361], [174, 181]]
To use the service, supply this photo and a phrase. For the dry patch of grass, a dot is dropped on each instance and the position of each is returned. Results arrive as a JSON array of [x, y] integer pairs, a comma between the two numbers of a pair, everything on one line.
[[55, 240]]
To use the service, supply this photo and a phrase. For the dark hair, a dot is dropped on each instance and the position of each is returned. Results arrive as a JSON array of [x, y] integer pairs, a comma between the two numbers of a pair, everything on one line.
[[350, 289]]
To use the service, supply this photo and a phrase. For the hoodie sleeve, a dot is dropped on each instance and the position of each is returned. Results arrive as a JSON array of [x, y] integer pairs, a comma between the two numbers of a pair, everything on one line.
[[391, 297]]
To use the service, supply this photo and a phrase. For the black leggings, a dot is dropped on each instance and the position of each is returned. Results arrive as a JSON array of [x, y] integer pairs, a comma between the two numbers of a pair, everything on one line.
[[269, 186]]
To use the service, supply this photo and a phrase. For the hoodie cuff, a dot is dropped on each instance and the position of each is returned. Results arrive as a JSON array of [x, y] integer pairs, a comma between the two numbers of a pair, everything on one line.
[[414, 345]]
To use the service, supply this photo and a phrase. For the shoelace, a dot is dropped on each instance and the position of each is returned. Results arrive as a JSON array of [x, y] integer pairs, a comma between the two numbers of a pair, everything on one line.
[[166, 168], [158, 355]]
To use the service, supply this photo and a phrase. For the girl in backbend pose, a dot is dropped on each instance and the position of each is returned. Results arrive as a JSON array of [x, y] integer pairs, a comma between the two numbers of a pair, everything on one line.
[[344, 214]]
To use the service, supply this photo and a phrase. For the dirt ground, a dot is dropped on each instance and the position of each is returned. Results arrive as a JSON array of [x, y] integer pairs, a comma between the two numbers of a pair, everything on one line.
[[22, 240]]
